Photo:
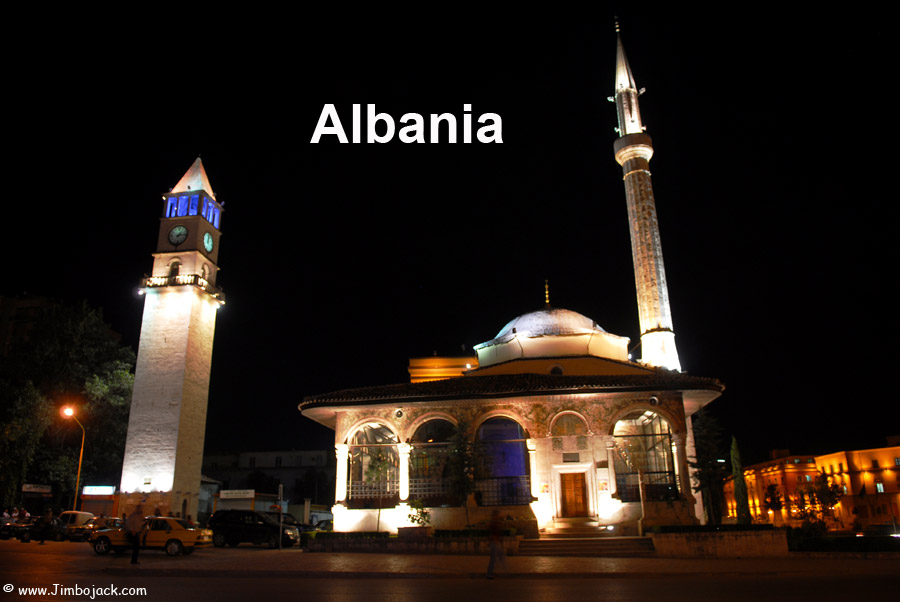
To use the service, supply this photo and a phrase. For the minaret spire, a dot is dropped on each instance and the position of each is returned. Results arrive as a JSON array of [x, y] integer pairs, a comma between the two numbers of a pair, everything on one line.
[[627, 93], [633, 150]]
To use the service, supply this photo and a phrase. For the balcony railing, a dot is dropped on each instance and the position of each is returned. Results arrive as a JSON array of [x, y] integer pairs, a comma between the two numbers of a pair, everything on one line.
[[372, 494], [504, 491], [184, 280]]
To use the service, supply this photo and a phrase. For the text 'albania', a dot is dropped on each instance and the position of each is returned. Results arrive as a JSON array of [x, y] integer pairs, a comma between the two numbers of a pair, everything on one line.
[[438, 128]]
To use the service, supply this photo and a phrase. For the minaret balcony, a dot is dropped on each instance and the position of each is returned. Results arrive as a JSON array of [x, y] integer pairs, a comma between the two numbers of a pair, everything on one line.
[[184, 280]]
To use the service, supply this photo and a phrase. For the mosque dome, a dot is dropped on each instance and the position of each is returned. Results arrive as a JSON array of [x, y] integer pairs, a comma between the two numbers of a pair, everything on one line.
[[551, 332], [549, 321]]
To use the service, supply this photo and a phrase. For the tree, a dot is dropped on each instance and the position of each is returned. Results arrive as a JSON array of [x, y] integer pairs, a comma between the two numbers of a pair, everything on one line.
[[826, 492], [774, 502], [377, 473], [741, 502], [68, 355], [707, 471], [24, 416], [463, 458]]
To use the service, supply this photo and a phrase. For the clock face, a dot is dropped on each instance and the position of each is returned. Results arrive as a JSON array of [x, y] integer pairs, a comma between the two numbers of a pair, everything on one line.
[[178, 235], [208, 242]]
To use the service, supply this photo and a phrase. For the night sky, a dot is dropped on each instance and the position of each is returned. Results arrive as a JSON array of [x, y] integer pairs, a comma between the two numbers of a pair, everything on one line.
[[773, 180]]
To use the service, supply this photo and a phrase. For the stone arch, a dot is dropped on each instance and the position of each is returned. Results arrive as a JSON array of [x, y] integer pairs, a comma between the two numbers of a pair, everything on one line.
[[555, 419], [433, 415], [675, 423], [352, 430], [373, 463], [174, 266], [431, 457], [503, 474], [644, 455], [501, 413]]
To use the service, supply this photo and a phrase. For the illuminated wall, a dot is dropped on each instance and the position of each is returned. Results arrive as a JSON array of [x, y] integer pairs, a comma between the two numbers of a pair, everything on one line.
[[167, 423]]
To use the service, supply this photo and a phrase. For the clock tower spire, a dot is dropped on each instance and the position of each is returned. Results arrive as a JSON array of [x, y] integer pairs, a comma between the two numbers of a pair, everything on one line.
[[167, 423], [633, 150]]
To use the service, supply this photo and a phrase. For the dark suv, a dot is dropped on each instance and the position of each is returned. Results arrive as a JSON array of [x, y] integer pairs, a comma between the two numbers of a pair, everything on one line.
[[234, 527]]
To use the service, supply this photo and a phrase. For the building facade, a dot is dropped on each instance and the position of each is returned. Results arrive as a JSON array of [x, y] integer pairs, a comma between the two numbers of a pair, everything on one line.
[[867, 480], [552, 419]]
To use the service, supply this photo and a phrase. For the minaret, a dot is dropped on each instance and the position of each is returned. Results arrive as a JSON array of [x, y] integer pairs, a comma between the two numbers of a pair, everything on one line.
[[167, 423], [633, 151]]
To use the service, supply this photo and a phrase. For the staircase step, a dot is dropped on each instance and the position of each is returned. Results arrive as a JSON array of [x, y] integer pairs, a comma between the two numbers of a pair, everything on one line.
[[591, 546]]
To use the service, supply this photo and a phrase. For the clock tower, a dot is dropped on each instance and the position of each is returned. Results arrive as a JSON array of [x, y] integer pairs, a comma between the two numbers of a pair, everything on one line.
[[167, 423]]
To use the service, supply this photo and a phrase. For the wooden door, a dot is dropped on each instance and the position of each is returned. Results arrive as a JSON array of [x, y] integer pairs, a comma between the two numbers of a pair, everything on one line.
[[574, 494]]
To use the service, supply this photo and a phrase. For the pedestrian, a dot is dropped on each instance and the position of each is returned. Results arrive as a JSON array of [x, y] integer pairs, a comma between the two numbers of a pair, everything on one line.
[[134, 525], [15, 514], [44, 524], [157, 512], [5, 513], [496, 538]]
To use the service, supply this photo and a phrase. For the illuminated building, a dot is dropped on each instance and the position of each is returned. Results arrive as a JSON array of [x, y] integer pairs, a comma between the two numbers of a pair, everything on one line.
[[569, 429], [167, 423], [867, 478], [788, 473]]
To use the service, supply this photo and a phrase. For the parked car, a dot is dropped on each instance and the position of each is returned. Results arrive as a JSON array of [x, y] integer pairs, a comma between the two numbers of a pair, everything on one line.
[[74, 522], [286, 518], [174, 535], [83, 532], [234, 527], [14, 527]]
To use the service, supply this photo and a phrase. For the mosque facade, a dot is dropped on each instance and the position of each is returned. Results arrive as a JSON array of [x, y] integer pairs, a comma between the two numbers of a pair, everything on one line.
[[551, 420]]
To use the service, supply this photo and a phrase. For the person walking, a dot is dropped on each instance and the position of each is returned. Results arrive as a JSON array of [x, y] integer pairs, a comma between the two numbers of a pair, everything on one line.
[[44, 524], [496, 537], [134, 525]]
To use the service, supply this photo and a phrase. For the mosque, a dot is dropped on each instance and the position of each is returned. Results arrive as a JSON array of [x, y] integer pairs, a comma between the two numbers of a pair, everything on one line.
[[565, 427]]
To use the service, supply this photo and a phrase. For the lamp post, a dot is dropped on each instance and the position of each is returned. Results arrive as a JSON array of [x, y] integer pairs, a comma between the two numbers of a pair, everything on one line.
[[68, 412]]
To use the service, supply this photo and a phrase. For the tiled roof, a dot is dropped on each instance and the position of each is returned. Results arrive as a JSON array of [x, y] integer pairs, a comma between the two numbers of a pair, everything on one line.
[[503, 385]]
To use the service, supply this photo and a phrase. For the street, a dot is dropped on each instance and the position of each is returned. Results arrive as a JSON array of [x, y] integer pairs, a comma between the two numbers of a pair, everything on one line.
[[246, 573]]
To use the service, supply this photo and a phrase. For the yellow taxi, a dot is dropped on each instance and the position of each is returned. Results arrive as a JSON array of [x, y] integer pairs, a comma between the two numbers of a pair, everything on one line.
[[174, 535]]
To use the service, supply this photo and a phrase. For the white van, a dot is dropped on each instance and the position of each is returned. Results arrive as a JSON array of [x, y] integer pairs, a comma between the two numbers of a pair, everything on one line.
[[74, 522]]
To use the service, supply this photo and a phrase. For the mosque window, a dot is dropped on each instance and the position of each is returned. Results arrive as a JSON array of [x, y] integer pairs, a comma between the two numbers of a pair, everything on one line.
[[373, 473], [182, 205], [643, 447], [172, 206], [431, 447], [503, 475], [192, 208]]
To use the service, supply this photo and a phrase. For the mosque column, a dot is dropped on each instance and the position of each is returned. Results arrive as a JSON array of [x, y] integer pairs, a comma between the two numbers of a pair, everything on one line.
[[611, 465], [690, 451], [342, 453], [531, 445], [403, 451], [681, 466]]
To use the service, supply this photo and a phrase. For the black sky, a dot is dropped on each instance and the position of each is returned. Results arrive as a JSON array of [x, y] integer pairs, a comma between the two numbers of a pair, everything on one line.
[[772, 174]]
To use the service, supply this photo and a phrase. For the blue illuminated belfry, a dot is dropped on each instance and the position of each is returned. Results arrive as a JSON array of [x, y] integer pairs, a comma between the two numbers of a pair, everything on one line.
[[185, 205]]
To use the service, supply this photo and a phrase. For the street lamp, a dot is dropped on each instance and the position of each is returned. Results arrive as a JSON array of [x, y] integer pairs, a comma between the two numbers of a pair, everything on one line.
[[68, 412]]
